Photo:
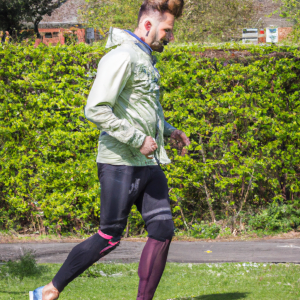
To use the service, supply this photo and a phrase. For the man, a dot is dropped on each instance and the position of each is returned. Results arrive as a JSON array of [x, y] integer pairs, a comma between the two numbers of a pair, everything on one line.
[[124, 104]]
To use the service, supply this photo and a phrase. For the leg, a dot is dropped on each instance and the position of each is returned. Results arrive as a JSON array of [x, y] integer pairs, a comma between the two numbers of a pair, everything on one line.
[[154, 258], [119, 187], [156, 211], [80, 258]]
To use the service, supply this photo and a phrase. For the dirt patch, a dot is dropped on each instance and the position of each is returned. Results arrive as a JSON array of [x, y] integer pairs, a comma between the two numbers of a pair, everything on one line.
[[227, 54], [18, 238], [8, 239], [14, 238], [232, 54]]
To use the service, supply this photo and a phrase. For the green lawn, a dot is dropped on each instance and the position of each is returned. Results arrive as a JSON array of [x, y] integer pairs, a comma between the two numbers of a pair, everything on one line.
[[180, 281]]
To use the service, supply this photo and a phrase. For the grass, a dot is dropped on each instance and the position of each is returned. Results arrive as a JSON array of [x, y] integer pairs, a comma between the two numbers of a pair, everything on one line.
[[180, 282]]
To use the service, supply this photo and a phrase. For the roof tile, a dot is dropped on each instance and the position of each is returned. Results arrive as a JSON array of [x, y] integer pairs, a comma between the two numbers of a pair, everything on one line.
[[66, 13]]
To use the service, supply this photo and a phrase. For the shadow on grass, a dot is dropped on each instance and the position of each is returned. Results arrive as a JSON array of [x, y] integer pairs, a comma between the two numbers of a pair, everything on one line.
[[24, 266], [225, 296]]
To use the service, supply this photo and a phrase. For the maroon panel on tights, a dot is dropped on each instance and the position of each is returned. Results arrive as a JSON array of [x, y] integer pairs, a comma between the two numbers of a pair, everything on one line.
[[151, 268]]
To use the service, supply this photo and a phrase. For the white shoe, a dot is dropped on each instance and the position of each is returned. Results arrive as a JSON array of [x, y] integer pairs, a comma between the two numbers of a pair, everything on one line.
[[36, 294]]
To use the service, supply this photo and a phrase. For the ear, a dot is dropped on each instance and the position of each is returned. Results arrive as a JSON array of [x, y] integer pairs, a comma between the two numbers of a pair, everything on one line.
[[147, 25]]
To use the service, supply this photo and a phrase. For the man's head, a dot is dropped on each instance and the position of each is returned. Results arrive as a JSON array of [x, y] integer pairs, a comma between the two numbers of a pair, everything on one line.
[[156, 21]]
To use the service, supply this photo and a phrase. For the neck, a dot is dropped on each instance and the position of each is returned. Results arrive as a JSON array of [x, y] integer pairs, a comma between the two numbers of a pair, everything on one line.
[[141, 35]]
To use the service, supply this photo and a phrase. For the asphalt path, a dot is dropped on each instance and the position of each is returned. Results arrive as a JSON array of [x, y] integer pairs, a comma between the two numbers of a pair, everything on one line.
[[268, 251]]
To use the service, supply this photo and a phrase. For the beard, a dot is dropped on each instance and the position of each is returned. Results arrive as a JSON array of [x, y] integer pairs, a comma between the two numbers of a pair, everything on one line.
[[157, 46]]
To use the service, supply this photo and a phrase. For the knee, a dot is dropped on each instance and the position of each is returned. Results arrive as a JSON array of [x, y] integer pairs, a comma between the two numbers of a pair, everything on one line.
[[161, 230], [111, 234]]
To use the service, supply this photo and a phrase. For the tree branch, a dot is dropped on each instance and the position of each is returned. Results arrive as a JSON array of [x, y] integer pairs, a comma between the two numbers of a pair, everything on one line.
[[208, 198]]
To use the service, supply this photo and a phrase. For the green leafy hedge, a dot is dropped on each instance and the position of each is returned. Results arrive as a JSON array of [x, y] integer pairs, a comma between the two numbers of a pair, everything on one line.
[[240, 107], [48, 170], [277, 218]]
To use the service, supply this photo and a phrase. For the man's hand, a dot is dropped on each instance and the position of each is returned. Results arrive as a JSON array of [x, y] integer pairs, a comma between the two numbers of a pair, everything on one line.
[[148, 147], [181, 138]]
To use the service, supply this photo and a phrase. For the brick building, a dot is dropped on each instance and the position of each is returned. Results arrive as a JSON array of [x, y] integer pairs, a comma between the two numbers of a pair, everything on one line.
[[65, 16], [63, 24]]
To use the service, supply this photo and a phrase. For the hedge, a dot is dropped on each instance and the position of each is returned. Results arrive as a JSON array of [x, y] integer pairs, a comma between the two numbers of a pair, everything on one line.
[[240, 108], [48, 170], [239, 105]]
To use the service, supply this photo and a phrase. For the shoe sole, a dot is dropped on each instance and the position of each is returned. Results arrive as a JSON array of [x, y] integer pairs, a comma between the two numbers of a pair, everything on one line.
[[30, 295]]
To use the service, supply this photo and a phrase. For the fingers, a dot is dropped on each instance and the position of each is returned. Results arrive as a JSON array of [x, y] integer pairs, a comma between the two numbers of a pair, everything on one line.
[[151, 151], [180, 145], [148, 147], [186, 141], [154, 144], [181, 136]]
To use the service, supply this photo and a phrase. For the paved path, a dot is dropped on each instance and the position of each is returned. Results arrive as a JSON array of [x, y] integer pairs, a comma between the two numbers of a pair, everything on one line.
[[273, 251]]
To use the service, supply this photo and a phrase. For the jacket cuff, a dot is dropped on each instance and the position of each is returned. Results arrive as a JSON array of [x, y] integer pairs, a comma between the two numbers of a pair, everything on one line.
[[168, 129], [137, 140]]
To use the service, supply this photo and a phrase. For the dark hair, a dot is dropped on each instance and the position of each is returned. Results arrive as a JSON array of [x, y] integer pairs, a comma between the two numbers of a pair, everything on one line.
[[174, 7]]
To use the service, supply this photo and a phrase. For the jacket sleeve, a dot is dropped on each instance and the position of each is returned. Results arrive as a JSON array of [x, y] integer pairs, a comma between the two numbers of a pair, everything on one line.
[[113, 72], [168, 129]]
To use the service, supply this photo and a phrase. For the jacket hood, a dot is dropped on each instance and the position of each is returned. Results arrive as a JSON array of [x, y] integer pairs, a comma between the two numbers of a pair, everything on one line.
[[118, 36]]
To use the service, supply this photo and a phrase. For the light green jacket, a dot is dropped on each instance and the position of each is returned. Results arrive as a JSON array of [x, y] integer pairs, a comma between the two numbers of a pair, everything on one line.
[[124, 103]]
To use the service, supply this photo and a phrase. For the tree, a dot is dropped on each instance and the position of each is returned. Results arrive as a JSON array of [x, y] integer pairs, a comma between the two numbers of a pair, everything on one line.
[[214, 20], [290, 9], [11, 15], [14, 13], [202, 20], [40, 8], [104, 14]]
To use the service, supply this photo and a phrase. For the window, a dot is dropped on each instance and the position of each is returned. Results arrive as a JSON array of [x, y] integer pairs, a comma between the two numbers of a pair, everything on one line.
[[48, 35]]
